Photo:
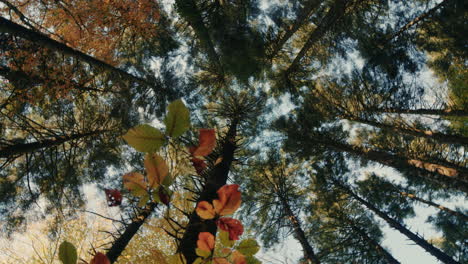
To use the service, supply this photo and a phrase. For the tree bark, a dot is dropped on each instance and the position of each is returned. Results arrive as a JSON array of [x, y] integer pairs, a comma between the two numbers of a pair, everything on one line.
[[119, 245], [304, 13], [437, 136], [333, 16], [416, 21], [23, 148], [415, 238], [445, 176], [381, 250], [309, 254], [421, 111], [189, 11], [217, 177], [7, 26], [438, 206]]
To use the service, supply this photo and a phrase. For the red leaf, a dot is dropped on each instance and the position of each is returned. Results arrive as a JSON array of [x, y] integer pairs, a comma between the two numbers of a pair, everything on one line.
[[199, 165], [100, 258], [206, 142], [233, 226], [113, 196], [163, 196]]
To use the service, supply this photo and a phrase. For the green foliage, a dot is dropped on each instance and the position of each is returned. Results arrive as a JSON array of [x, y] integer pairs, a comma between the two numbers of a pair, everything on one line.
[[67, 253], [145, 138]]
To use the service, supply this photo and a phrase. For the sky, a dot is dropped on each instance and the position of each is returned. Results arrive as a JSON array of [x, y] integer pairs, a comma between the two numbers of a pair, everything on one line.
[[289, 251]]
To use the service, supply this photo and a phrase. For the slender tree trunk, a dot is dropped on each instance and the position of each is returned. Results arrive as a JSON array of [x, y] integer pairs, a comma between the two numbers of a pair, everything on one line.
[[334, 15], [445, 176], [119, 245], [6, 26], [440, 137], [32, 79], [309, 6], [416, 20], [309, 254], [189, 11], [438, 206], [421, 111], [414, 237], [381, 250], [217, 177], [23, 148]]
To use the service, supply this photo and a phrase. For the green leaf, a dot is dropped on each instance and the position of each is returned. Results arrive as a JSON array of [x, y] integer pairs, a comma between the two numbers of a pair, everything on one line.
[[67, 253], [143, 200], [176, 259], [168, 180], [224, 238], [252, 260], [202, 253], [178, 119], [248, 247], [198, 261], [155, 196], [144, 138]]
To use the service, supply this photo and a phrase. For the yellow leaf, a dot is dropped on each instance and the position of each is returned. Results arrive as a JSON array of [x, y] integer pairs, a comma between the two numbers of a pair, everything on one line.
[[156, 169], [144, 138]]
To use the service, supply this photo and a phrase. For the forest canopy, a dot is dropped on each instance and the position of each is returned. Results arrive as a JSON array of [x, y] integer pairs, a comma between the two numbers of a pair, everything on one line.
[[216, 131]]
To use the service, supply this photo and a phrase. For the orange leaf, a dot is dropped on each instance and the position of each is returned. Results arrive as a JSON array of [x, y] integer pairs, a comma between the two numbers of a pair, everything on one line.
[[156, 169], [220, 261], [206, 241], [133, 181], [229, 199], [206, 142], [238, 258], [205, 210], [231, 225], [100, 258]]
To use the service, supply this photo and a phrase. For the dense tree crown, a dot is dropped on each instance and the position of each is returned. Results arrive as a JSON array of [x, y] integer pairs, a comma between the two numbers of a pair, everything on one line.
[[197, 131]]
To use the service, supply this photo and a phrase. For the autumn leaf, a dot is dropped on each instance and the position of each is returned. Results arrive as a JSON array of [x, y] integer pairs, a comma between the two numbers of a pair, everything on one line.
[[178, 119], [67, 253], [224, 239], [206, 241], [233, 226], [238, 258], [220, 261], [156, 169], [113, 196], [144, 138], [248, 247], [206, 142], [164, 196], [205, 210], [229, 200], [198, 164], [100, 258], [135, 182]]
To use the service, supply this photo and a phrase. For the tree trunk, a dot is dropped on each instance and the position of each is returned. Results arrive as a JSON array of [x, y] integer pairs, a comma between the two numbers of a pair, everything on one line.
[[334, 15], [217, 177], [189, 11], [32, 79], [421, 111], [6, 26], [309, 254], [382, 251], [23, 148], [440, 137], [304, 13], [119, 245], [445, 176], [416, 21], [415, 238], [438, 206]]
